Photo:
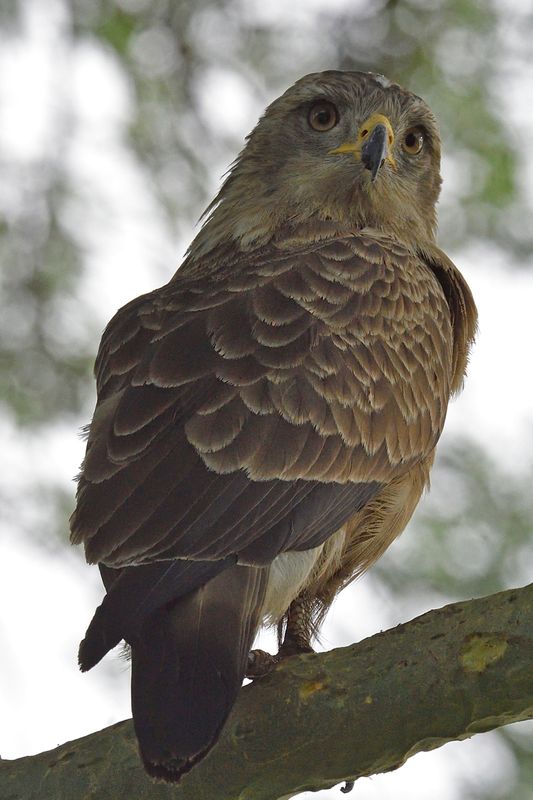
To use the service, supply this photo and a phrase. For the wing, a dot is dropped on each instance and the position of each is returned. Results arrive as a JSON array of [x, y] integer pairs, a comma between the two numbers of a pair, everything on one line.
[[254, 411]]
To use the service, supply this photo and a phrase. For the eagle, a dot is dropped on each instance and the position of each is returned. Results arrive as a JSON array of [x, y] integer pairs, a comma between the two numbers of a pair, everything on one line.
[[266, 422]]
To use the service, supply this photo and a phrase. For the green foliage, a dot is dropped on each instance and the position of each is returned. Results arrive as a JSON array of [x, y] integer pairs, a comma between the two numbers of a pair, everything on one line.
[[116, 29]]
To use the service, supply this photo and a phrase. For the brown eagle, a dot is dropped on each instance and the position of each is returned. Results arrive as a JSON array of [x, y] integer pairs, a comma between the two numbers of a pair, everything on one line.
[[266, 421]]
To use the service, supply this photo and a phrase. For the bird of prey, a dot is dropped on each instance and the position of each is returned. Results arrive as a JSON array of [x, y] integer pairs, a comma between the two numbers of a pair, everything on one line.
[[266, 421]]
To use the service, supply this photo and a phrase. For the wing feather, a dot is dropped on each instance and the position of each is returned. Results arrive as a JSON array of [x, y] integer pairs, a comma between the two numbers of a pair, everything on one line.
[[247, 412]]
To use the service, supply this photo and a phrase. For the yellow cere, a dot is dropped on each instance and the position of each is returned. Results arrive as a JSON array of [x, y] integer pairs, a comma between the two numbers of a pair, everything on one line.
[[364, 132]]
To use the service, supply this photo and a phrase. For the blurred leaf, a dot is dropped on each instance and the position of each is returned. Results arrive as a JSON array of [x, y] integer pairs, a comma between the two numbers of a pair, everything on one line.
[[116, 29]]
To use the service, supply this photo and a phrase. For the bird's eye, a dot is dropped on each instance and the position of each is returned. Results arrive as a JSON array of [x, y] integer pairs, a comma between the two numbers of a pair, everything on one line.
[[323, 116], [413, 141]]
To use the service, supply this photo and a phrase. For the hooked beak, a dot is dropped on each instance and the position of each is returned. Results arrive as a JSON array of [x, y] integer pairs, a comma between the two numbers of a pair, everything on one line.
[[373, 146], [375, 150]]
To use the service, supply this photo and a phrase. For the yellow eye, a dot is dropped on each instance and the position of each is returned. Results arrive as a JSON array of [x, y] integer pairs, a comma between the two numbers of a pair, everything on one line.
[[413, 141], [323, 116]]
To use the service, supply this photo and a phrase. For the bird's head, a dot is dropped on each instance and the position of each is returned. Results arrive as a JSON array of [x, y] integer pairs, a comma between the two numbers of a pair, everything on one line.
[[350, 147]]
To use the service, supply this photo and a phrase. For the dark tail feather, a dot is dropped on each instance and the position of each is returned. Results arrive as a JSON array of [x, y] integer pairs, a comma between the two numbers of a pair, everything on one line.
[[188, 666], [133, 595]]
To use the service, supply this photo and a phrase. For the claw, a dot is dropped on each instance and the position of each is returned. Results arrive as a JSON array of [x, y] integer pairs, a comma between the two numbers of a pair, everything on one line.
[[260, 663]]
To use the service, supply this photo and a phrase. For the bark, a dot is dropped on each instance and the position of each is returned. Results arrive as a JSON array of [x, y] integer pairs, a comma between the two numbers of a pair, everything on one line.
[[323, 718]]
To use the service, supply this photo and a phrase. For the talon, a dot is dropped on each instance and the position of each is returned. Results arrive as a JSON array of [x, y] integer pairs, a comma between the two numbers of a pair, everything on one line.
[[348, 786], [260, 663]]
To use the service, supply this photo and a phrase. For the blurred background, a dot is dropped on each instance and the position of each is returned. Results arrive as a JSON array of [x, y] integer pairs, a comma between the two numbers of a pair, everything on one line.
[[117, 120]]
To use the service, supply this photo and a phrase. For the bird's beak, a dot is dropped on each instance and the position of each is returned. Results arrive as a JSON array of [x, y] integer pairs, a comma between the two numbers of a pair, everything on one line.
[[375, 149], [373, 146]]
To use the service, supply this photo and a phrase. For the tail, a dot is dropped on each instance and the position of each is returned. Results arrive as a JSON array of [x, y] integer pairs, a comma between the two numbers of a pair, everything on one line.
[[187, 668], [133, 594]]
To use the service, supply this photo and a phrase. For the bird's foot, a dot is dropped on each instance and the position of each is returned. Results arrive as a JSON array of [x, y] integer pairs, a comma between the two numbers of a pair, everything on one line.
[[260, 663]]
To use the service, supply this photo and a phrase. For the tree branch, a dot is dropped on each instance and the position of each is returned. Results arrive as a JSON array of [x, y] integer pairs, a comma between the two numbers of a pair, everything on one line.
[[320, 719]]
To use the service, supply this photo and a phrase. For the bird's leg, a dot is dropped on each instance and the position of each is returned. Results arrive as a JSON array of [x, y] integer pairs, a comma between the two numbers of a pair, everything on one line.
[[294, 637], [298, 629]]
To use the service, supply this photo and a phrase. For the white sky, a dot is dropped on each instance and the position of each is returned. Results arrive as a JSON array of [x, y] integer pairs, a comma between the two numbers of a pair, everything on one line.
[[47, 597]]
